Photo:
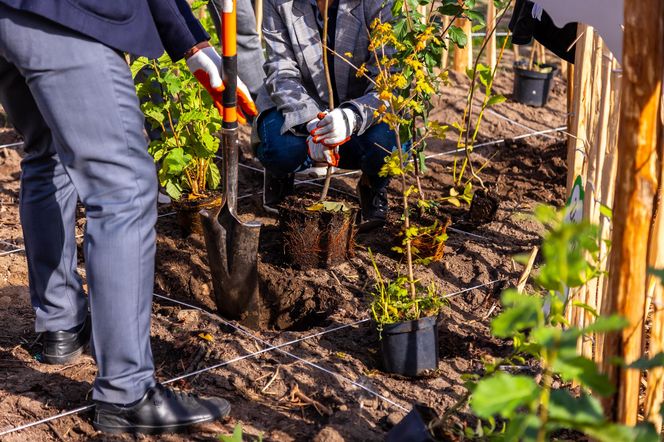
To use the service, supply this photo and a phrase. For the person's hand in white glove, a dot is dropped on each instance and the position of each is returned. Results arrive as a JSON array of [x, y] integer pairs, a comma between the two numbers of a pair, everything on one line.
[[321, 153], [205, 63], [335, 128]]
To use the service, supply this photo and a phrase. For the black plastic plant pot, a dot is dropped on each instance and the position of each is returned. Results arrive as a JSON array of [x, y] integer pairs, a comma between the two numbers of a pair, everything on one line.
[[532, 87], [414, 427], [410, 348]]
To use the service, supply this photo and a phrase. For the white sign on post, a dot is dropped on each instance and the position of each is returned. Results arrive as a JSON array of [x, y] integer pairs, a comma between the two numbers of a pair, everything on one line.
[[606, 16]]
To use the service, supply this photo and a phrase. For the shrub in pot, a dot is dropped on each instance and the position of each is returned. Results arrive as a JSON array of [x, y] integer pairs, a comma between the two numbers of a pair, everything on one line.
[[184, 120], [407, 325]]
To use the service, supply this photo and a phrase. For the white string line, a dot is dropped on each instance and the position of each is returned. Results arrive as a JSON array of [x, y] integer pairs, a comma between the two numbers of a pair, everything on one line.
[[311, 364], [451, 152], [273, 347], [48, 419], [188, 375], [22, 249], [502, 140], [469, 234], [299, 182], [19, 143], [516, 123], [337, 375]]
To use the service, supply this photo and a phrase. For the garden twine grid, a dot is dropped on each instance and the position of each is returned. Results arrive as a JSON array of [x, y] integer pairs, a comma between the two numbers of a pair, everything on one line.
[[315, 180], [240, 358], [278, 347]]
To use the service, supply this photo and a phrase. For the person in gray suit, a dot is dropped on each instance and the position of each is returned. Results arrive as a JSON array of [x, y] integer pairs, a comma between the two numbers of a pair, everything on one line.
[[301, 129]]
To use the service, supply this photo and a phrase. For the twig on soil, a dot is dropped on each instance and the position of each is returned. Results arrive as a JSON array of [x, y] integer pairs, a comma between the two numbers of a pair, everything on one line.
[[493, 307], [335, 277], [521, 285], [274, 376], [56, 432], [297, 395]]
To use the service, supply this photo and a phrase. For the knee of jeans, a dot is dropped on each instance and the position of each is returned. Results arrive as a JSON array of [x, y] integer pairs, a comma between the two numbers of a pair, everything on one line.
[[281, 158]]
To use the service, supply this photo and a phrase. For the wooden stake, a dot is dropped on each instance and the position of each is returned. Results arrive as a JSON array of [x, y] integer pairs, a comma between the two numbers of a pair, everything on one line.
[[578, 139], [523, 280], [608, 186], [491, 53], [445, 57], [259, 18], [655, 294], [463, 57], [639, 172], [517, 55]]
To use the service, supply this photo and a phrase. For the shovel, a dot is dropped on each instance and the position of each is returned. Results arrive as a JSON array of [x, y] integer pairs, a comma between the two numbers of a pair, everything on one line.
[[231, 244]]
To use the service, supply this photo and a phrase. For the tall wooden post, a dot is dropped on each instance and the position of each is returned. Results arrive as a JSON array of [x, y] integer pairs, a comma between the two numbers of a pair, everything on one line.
[[445, 56], [463, 57], [639, 172], [655, 387], [491, 53], [258, 5]]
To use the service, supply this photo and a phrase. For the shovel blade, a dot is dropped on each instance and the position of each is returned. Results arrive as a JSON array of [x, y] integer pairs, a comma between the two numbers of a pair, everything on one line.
[[233, 256]]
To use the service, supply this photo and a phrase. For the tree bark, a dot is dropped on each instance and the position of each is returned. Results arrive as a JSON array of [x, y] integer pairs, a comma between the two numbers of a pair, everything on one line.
[[639, 171]]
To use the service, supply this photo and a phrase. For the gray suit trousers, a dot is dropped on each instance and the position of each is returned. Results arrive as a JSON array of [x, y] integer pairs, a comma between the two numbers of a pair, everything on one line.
[[73, 101]]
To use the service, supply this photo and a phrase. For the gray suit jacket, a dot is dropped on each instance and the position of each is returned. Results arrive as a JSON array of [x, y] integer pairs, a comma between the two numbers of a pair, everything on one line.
[[295, 75]]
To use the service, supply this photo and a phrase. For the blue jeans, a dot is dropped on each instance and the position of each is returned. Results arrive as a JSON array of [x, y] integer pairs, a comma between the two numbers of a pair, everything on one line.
[[284, 154]]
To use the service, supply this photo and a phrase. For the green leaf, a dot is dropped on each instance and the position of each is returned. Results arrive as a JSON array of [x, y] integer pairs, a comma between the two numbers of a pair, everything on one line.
[[522, 428], [213, 176], [522, 312], [586, 307], [175, 162], [658, 273], [606, 211], [458, 36], [584, 410], [496, 99], [584, 371], [503, 394], [235, 437], [173, 190], [476, 17], [605, 324], [620, 433], [648, 363]]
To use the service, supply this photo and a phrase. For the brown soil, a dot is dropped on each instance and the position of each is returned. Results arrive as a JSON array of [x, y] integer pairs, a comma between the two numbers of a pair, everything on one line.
[[277, 394]]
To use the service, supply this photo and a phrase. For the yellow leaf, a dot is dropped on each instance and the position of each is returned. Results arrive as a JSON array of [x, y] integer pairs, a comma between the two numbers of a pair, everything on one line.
[[207, 336]]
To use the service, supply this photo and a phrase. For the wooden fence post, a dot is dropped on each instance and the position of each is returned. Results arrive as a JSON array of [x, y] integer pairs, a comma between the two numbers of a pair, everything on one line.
[[639, 172], [491, 54], [463, 57], [655, 386]]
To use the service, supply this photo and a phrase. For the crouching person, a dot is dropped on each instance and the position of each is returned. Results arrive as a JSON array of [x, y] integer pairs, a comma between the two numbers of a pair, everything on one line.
[[301, 130]]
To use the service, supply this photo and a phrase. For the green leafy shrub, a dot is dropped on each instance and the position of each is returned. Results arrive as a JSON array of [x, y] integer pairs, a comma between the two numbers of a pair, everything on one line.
[[182, 112], [534, 410]]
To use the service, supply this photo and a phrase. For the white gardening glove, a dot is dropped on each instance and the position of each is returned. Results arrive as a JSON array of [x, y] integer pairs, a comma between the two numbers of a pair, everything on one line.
[[313, 123], [320, 153], [335, 128], [205, 64]]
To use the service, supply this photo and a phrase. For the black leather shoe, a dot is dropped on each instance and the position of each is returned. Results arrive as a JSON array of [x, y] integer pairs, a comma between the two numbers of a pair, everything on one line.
[[275, 189], [161, 410], [63, 347], [373, 205]]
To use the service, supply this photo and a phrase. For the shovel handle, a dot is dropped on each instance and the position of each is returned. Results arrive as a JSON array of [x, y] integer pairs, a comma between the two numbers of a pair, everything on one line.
[[229, 70]]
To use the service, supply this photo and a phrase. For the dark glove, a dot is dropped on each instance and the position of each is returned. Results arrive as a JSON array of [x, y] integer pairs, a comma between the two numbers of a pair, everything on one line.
[[525, 27]]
